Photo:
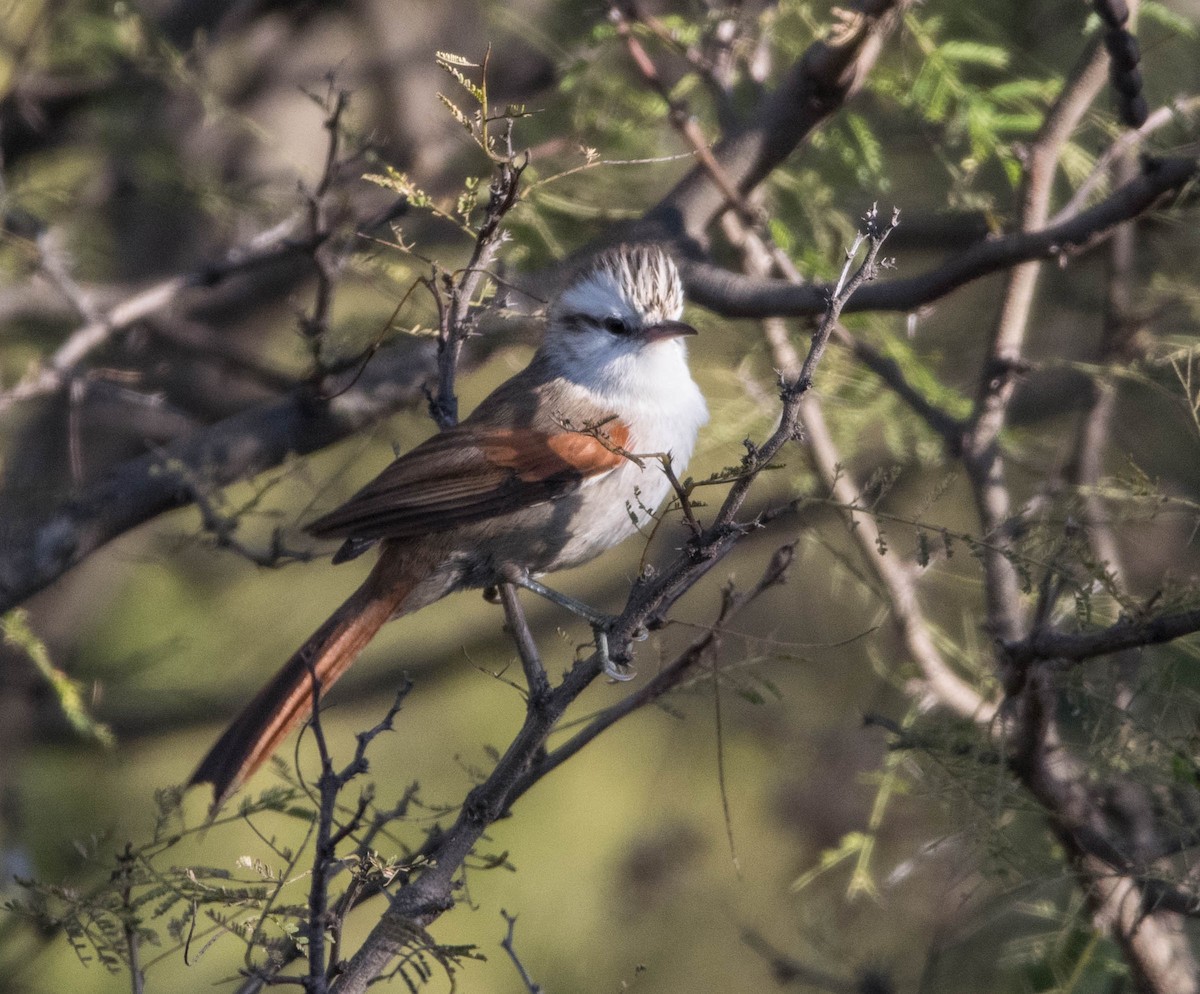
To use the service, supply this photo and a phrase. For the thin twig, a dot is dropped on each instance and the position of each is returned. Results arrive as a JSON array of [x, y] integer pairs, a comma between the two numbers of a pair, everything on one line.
[[669, 677], [789, 971], [940, 681], [997, 383], [456, 294], [507, 945], [1122, 147]]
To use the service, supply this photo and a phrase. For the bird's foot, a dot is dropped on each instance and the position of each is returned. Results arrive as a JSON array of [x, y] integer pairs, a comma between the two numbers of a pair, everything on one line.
[[621, 672], [602, 624]]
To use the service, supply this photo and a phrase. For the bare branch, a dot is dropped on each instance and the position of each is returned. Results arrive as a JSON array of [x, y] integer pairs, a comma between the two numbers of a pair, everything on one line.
[[1121, 148], [531, 660], [1125, 634], [271, 246], [735, 295], [789, 971], [668, 677], [508, 946], [456, 294], [53, 539], [997, 382], [429, 895], [940, 681], [818, 84]]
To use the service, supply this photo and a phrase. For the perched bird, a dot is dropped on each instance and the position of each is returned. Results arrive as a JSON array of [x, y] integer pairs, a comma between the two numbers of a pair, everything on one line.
[[537, 479]]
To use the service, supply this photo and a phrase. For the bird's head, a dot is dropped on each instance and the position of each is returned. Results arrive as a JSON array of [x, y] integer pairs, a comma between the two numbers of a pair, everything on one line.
[[626, 301]]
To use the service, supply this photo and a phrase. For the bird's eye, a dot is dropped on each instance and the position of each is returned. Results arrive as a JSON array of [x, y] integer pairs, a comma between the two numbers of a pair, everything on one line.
[[616, 326]]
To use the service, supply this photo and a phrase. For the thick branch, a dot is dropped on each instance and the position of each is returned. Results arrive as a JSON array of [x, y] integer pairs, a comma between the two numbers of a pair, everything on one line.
[[817, 85], [1125, 634], [734, 295], [39, 549]]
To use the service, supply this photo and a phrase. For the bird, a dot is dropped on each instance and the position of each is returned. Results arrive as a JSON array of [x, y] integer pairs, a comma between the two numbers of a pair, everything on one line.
[[542, 476]]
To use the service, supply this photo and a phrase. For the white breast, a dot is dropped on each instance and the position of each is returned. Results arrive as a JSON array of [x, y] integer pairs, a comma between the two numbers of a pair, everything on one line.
[[655, 396]]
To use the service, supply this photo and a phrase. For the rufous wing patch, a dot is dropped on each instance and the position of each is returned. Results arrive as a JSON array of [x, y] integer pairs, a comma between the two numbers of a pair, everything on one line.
[[470, 473], [536, 456]]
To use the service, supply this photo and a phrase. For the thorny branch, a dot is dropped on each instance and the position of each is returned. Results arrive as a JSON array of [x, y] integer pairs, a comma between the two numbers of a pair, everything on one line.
[[940, 683], [456, 293]]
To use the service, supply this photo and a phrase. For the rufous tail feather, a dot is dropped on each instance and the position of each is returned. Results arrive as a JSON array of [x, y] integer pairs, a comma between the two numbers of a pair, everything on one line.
[[288, 699]]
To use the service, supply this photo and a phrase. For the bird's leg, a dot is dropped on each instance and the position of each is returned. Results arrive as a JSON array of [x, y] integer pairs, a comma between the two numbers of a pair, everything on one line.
[[601, 623], [597, 619]]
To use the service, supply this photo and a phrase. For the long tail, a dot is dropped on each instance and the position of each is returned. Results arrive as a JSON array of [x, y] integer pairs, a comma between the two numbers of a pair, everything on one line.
[[287, 700]]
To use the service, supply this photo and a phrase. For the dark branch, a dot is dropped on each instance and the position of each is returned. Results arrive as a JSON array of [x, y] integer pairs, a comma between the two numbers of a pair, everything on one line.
[[1125, 634], [38, 550], [734, 295], [818, 84]]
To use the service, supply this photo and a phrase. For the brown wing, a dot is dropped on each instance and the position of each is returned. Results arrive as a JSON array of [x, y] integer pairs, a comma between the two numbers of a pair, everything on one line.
[[470, 473]]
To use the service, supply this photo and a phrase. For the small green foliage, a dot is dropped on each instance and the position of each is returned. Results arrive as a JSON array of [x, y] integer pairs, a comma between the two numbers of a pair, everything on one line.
[[1152, 12], [14, 627], [857, 848], [952, 86], [260, 901]]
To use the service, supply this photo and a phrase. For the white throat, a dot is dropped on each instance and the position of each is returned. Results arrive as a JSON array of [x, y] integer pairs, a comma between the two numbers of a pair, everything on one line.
[[649, 387]]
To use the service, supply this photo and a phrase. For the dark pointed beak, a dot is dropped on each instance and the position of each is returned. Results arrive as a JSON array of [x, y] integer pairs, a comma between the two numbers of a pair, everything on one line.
[[667, 329]]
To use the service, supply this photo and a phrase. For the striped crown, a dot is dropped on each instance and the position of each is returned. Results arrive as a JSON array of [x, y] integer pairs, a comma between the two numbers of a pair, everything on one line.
[[642, 278]]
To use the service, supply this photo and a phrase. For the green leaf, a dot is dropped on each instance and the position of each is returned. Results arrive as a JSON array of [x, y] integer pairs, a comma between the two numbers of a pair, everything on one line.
[[450, 59], [1165, 17], [974, 53], [15, 629]]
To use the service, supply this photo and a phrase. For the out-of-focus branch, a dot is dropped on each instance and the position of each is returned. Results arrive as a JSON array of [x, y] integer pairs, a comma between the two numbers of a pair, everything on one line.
[[1094, 430], [1093, 433], [508, 944], [997, 383], [43, 543], [940, 682], [788, 971], [1125, 634], [736, 295], [820, 82], [1122, 148], [678, 113], [325, 258], [278, 243], [1153, 943]]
